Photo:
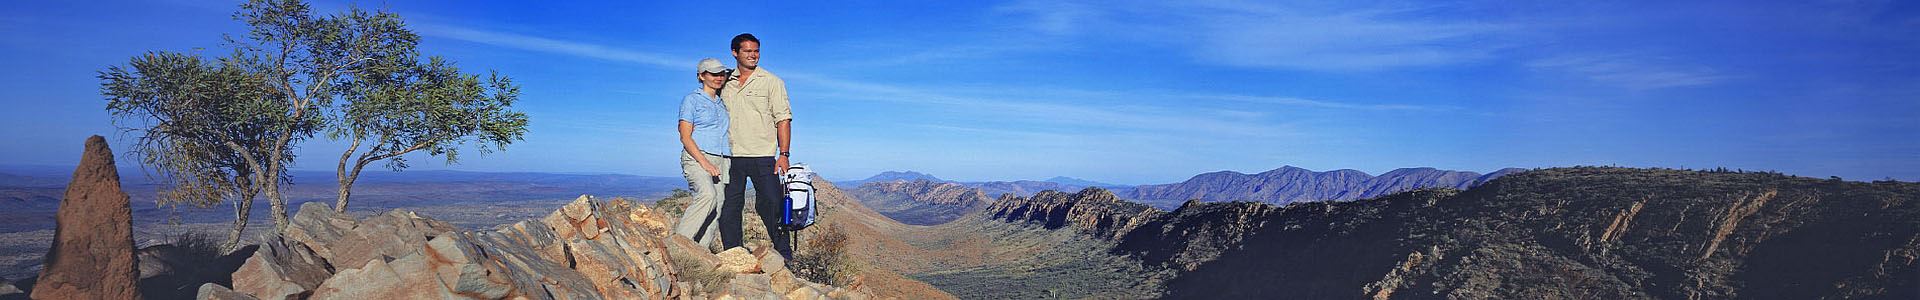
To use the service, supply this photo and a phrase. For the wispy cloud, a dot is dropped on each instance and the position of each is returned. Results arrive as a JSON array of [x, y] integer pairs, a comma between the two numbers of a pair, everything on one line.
[[534, 43], [1260, 35], [1631, 71], [1148, 115]]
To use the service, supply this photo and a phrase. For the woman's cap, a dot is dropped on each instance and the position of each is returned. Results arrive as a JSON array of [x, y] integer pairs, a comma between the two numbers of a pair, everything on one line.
[[710, 65]]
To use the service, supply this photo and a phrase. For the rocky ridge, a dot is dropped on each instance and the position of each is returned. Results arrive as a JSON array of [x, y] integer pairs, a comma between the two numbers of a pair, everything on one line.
[[1093, 211], [587, 249], [1194, 233], [1293, 184], [1588, 233], [1583, 232], [921, 202]]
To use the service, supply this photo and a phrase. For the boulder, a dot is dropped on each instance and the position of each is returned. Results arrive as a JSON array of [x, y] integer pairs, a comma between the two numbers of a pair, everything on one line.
[[805, 293], [462, 271], [405, 278], [521, 253], [344, 241], [318, 227], [576, 219], [92, 254], [686, 249], [783, 280], [647, 219], [751, 286], [738, 260], [771, 262], [211, 291], [8, 291], [281, 270]]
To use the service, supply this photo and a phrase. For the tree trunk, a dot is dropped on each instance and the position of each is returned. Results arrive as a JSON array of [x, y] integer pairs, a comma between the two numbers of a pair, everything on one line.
[[346, 186], [340, 175], [277, 202], [242, 208], [240, 212], [279, 206]]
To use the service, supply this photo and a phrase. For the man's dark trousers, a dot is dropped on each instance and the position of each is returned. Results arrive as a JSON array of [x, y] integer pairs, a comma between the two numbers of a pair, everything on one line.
[[768, 191]]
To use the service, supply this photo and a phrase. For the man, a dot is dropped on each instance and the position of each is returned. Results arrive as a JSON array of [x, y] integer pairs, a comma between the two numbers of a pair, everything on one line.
[[761, 135]]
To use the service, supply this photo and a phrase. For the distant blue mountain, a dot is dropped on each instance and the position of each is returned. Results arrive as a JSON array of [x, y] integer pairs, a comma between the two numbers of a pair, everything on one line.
[[890, 176], [1078, 182]]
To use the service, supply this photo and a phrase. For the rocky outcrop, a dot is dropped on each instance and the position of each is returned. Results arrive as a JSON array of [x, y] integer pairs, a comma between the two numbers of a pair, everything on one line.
[[1192, 234], [1195, 233], [1093, 211], [92, 255], [921, 202], [585, 250], [279, 269]]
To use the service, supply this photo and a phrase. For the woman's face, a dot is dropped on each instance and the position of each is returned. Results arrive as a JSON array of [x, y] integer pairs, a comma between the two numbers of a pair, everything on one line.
[[712, 80]]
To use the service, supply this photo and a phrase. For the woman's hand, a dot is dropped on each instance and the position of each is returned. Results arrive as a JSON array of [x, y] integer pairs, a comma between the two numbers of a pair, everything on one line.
[[711, 170]]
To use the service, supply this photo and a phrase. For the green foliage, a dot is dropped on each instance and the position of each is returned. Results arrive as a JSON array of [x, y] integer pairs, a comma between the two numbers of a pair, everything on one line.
[[199, 122], [396, 104]]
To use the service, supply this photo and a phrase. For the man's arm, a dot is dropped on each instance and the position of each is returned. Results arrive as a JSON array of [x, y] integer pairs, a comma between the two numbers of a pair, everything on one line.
[[785, 129], [783, 113]]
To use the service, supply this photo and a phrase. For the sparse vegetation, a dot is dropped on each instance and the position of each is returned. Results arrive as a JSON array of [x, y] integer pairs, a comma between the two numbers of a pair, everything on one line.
[[706, 278], [675, 205], [824, 258], [196, 245]]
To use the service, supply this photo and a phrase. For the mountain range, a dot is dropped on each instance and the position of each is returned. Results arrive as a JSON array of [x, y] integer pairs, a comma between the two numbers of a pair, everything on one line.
[[917, 198], [1293, 184], [1581, 233]]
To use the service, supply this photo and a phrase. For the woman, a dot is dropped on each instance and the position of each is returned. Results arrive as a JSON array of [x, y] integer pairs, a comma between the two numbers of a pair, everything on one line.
[[703, 135]]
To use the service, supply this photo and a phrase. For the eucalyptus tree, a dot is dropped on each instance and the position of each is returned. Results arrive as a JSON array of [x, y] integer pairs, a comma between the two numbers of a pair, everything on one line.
[[200, 124], [406, 107], [227, 130]]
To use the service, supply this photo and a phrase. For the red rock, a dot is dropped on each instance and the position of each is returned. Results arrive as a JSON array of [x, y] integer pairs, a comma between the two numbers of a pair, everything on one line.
[[211, 291], [280, 269], [92, 254]]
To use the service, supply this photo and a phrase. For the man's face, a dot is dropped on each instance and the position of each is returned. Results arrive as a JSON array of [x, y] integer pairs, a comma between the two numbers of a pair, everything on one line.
[[748, 57]]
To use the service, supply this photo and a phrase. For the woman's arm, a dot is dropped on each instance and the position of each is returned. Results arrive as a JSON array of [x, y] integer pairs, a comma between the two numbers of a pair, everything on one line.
[[693, 149]]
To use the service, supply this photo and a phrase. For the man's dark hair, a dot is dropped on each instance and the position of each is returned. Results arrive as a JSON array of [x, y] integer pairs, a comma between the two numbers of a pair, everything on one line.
[[742, 38]]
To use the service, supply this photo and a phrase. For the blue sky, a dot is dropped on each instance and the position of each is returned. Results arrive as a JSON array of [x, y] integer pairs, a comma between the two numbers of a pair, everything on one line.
[[1114, 91]]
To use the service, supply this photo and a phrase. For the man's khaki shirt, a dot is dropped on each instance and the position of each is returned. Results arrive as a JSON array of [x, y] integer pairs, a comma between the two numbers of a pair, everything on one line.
[[753, 105]]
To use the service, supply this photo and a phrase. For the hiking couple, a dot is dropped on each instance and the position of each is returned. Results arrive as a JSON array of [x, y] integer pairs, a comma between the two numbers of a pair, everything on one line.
[[735, 128]]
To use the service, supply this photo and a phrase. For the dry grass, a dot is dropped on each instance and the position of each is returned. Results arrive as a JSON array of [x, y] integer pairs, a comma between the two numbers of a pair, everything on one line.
[[824, 258], [706, 278]]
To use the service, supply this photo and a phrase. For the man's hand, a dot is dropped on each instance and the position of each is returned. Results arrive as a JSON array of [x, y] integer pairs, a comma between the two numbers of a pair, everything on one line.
[[780, 166]]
